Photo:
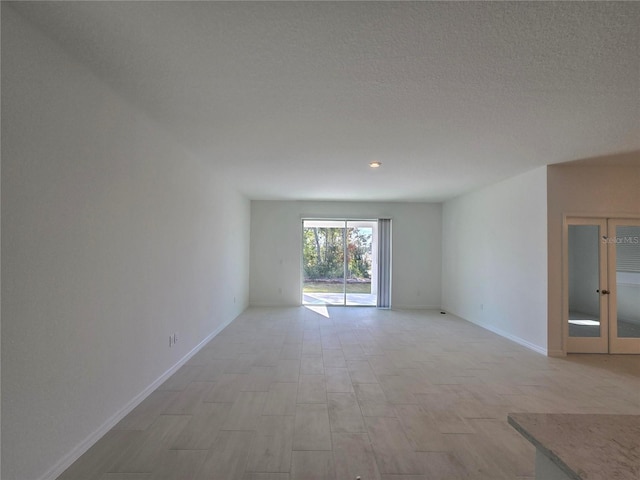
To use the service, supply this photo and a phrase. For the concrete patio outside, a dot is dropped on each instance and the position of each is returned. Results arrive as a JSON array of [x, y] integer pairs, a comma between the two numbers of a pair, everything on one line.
[[352, 299]]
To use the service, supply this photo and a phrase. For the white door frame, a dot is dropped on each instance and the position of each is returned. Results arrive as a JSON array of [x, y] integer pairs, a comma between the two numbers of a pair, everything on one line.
[[608, 342]]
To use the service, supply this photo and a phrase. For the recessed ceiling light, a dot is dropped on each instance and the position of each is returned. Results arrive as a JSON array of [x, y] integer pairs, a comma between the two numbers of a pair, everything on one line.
[[375, 164]]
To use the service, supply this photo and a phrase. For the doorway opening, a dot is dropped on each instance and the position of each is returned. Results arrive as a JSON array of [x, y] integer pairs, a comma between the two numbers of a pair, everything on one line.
[[602, 285], [340, 262]]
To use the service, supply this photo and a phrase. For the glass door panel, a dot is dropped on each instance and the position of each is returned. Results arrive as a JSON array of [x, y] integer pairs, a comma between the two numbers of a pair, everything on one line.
[[586, 310], [323, 262], [360, 264], [624, 272]]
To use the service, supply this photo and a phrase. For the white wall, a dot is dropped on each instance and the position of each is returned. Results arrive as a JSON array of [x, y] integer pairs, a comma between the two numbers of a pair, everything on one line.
[[276, 242], [601, 187], [494, 258], [113, 237]]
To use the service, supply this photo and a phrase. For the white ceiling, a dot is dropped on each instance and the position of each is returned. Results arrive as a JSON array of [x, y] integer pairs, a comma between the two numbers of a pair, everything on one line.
[[294, 99]]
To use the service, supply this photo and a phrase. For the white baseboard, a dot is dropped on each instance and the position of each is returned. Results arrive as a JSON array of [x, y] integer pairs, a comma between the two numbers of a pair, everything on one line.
[[509, 336], [518, 340], [274, 305], [415, 307], [66, 461]]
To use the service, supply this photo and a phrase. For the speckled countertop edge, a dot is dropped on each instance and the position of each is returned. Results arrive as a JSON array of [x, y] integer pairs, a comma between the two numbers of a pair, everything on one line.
[[539, 446]]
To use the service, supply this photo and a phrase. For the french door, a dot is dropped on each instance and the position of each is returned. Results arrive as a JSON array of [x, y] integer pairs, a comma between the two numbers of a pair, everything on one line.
[[339, 262], [602, 280]]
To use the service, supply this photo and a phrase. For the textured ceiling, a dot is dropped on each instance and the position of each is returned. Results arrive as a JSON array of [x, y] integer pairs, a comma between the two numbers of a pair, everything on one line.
[[293, 99]]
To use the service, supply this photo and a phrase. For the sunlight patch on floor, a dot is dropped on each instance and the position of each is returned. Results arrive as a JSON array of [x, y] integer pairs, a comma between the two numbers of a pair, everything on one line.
[[319, 309]]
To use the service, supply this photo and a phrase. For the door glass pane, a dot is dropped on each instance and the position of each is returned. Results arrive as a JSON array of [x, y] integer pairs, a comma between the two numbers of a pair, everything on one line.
[[627, 241], [360, 272], [584, 281], [323, 262]]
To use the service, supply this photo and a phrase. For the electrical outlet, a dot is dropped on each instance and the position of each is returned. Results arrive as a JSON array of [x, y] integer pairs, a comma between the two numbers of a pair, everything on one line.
[[175, 338]]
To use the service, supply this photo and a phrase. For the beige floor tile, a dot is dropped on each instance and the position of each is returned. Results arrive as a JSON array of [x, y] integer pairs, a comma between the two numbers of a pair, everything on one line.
[[398, 389], [179, 464], [495, 435], [312, 431], [146, 413], [212, 370], [294, 336], [267, 358], [443, 465], [370, 393], [312, 389], [338, 380], [333, 358], [381, 365], [272, 445], [246, 411], [228, 457], [372, 400], [405, 477], [472, 457], [265, 476], [421, 429], [394, 452], [223, 349], [378, 410], [439, 401], [157, 439], [469, 409], [311, 365], [259, 379], [437, 374], [291, 352], [182, 378], [353, 456], [311, 347], [344, 413], [331, 341], [201, 358], [187, 401], [287, 371], [448, 421], [312, 465], [103, 455], [226, 388], [361, 372], [203, 427], [281, 399], [126, 476], [354, 352], [241, 364]]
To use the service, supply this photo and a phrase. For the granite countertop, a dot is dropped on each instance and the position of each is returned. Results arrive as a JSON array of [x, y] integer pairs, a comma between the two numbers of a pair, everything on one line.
[[585, 446]]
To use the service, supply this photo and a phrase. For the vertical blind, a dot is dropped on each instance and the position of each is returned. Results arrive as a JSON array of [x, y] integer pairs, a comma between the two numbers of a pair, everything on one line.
[[384, 263], [628, 248]]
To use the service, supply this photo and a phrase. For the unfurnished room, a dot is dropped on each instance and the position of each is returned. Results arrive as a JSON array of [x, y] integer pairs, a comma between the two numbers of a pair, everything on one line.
[[323, 240]]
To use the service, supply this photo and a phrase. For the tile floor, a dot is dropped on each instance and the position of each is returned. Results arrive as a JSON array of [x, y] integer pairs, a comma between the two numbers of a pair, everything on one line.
[[297, 394]]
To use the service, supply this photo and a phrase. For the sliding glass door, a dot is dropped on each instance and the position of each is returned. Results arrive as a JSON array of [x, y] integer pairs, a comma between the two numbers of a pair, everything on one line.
[[339, 262]]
